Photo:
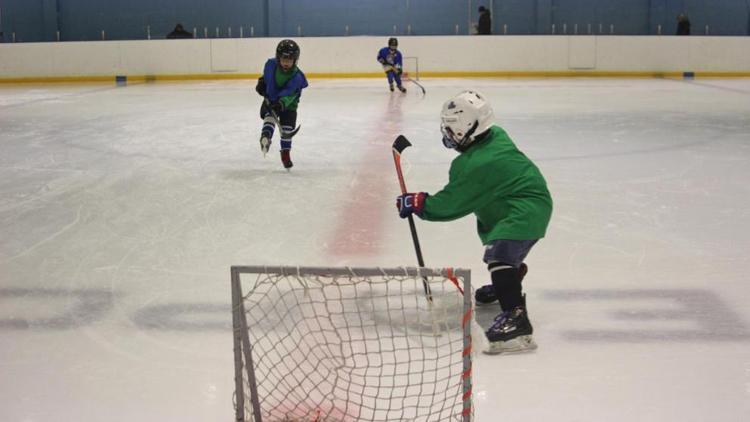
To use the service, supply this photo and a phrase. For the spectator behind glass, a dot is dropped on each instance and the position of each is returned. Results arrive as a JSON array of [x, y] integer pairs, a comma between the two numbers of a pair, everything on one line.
[[683, 24], [179, 32], [485, 22]]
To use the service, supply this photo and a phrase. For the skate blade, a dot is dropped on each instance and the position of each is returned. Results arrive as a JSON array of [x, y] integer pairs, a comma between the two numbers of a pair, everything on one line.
[[517, 345], [264, 147]]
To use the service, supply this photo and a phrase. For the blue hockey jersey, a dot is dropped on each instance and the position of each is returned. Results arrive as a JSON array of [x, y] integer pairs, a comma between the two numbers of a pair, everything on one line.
[[393, 58], [284, 86]]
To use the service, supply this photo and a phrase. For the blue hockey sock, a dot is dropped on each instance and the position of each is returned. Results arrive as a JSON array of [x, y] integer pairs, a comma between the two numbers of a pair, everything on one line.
[[268, 129]]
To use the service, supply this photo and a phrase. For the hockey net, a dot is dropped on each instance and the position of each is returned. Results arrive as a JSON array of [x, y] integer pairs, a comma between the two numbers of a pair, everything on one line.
[[351, 344], [411, 67]]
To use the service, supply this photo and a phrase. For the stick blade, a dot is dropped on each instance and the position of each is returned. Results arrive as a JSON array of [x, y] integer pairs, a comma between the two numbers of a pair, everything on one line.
[[400, 144], [418, 85], [289, 135]]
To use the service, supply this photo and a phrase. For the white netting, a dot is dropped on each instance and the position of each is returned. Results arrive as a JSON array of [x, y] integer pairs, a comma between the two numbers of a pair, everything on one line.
[[354, 348]]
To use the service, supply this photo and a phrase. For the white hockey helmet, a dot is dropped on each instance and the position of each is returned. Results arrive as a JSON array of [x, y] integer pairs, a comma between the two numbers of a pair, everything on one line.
[[463, 118]]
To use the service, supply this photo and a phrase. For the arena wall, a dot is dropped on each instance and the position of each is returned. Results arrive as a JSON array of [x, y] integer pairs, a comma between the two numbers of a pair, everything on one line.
[[438, 56]]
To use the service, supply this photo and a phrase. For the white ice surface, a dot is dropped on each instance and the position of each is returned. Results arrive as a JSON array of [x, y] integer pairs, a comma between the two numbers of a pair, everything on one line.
[[122, 209]]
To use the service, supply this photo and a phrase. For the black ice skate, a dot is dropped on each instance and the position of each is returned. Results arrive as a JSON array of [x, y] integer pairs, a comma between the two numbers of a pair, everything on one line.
[[402, 89], [391, 87], [265, 143], [510, 333], [485, 295], [286, 159]]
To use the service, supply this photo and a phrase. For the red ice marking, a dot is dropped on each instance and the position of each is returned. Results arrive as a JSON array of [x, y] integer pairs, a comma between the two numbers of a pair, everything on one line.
[[359, 225], [307, 412]]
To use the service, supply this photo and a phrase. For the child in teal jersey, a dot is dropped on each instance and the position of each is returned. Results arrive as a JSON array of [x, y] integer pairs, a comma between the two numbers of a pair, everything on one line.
[[281, 87], [508, 195]]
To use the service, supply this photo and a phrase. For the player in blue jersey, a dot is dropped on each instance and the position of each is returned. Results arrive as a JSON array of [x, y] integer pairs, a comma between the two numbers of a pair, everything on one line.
[[392, 63], [281, 87]]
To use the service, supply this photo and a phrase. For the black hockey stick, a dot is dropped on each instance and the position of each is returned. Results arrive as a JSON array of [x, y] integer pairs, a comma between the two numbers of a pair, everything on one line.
[[399, 145], [416, 83], [393, 70], [284, 134]]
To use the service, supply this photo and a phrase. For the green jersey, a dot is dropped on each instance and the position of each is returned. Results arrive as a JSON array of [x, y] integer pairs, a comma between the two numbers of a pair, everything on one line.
[[281, 78], [500, 185]]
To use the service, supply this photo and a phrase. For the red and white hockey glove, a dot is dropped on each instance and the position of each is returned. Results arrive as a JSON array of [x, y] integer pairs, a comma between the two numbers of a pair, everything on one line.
[[411, 203]]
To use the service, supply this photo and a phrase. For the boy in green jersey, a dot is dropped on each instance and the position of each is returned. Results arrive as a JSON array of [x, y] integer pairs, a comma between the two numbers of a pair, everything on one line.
[[508, 195], [281, 87]]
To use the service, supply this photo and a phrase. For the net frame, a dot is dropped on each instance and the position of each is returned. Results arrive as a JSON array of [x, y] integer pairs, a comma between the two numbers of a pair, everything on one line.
[[243, 350], [411, 67]]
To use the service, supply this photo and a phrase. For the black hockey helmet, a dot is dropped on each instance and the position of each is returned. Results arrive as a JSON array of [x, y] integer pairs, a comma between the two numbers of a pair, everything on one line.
[[392, 42], [287, 49]]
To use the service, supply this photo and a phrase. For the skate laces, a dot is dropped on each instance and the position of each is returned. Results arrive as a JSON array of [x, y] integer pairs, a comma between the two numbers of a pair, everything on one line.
[[508, 317], [500, 320]]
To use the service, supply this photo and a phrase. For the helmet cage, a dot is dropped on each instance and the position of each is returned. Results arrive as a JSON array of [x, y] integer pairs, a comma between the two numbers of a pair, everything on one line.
[[455, 140], [287, 49], [463, 118]]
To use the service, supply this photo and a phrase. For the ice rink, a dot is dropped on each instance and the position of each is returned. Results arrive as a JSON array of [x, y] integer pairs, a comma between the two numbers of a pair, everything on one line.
[[122, 209]]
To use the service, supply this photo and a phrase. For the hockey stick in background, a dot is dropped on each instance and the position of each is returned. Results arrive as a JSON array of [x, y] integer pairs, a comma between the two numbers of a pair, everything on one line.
[[406, 76], [415, 83], [399, 145]]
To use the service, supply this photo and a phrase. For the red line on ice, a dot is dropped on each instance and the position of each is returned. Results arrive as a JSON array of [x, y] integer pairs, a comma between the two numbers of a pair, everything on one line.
[[360, 223]]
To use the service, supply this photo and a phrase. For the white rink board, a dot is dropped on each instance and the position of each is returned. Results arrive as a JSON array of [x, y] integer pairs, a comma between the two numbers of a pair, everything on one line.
[[356, 55]]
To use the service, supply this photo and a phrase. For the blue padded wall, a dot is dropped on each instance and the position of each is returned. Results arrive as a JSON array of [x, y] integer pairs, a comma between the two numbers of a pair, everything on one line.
[[81, 20]]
